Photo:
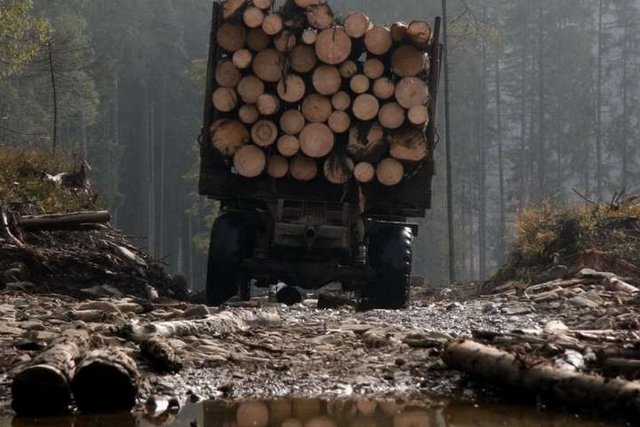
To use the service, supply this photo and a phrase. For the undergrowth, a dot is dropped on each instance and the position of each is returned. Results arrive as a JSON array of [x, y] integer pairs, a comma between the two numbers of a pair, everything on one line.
[[24, 186]]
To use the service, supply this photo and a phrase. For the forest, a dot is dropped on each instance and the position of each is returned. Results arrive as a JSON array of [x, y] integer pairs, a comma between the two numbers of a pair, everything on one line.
[[541, 107]]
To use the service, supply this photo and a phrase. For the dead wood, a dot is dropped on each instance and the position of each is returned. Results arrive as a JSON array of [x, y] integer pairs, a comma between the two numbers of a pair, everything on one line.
[[160, 355]]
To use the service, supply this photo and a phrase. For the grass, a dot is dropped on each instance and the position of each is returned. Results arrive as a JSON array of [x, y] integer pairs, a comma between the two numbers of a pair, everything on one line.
[[24, 187]]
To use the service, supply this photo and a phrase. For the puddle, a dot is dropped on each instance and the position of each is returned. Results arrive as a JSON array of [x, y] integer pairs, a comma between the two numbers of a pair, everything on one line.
[[320, 413]]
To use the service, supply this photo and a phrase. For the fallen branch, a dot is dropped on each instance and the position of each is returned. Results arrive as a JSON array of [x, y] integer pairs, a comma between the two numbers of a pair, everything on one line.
[[565, 386], [62, 221]]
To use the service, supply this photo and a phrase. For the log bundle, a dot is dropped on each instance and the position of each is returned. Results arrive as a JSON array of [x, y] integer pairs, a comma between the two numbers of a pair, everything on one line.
[[300, 94]]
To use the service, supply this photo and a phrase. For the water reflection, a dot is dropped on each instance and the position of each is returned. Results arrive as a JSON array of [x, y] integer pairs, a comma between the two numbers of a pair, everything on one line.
[[320, 413]]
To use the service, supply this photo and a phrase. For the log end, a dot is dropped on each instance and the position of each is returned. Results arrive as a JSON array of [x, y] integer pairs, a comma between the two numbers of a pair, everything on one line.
[[104, 386], [40, 390]]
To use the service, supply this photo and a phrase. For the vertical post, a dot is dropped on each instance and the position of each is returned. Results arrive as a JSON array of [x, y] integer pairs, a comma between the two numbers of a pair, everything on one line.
[[55, 97]]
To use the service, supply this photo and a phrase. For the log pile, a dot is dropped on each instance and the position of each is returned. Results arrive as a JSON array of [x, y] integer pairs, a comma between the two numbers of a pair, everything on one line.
[[299, 96]]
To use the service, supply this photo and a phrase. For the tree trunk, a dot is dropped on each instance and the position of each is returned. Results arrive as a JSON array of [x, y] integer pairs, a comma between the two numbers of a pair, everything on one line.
[[341, 101], [409, 144], [339, 121], [316, 140], [503, 220], [227, 136], [366, 143], [348, 69], [384, 88], [288, 145], [356, 25], [232, 37], [250, 161], [390, 172], [292, 122], [242, 59], [268, 65], [303, 59], [264, 133], [160, 355], [54, 91], [309, 36], [257, 40], [333, 46], [599, 80], [248, 114], [277, 167], [250, 88], [419, 32], [320, 16], [303, 168], [327, 80], [233, 9], [62, 221], [364, 172], [306, 3], [399, 31], [268, 104], [263, 4], [419, 115], [366, 107], [291, 89], [338, 169], [411, 92], [253, 17], [448, 154], [408, 61], [378, 40], [373, 68], [272, 24], [285, 41], [225, 99], [316, 108], [359, 84], [392, 115]]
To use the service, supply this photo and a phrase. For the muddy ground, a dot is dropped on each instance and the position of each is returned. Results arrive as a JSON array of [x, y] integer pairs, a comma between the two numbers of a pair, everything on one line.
[[305, 351]]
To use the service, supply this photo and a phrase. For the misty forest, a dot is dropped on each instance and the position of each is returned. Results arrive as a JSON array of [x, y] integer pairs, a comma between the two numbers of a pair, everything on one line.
[[543, 109]]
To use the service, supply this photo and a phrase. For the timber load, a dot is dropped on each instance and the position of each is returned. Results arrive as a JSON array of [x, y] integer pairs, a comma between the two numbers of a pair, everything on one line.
[[299, 94]]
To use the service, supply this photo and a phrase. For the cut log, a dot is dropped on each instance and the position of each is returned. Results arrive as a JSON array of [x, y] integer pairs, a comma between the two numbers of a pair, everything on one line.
[[277, 167], [316, 140], [366, 107], [263, 4], [306, 3], [384, 88], [364, 172], [359, 84], [333, 46], [419, 115], [225, 99], [232, 9], [339, 121], [348, 69], [231, 37], [292, 88], [268, 65], [392, 115], [160, 355], [373, 68], [303, 168], [419, 32], [303, 59], [285, 42], [390, 172], [250, 161], [399, 31], [366, 143], [268, 104], [43, 388], [242, 59], [227, 136], [258, 40], [378, 40], [248, 114], [272, 24], [288, 145], [542, 379], [356, 24], [292, 122], [309, 36], [411, 92], [62, 221], [227, 75], [341, 101], [327, 80], [338, 169], [253, 17], [250, 88], [408, 61], [316, 108], [264, 133], [105, 381], [408, 144], [320, 16]]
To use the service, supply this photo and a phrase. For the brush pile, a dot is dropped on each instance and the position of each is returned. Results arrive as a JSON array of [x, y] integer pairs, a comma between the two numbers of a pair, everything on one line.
[[299, 95]]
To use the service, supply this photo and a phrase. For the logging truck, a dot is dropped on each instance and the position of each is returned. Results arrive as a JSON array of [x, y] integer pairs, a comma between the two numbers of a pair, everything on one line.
[[318, 143]]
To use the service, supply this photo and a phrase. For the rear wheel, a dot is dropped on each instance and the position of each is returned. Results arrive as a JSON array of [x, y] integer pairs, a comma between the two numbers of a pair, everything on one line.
[[233, 239], [390, 257]]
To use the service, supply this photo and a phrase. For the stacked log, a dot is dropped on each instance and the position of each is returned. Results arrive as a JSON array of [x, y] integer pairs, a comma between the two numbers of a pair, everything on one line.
[[300, 96]]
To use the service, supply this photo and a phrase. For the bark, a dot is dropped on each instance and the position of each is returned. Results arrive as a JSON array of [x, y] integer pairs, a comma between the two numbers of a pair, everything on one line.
[[408, 144], [390, 172], [106, 380], [257, 40], [303, 168], [327, 80], [316, 108], [366, 107], [160, 355], [227, 75], [339, 121], [268, 65], [253, 17], [408, 61], [272, 24], [320, 16], [411, 92], [43, 388], [277, 166], [61, 221], [227, 136], [359, 84], [341, 101], [250, 88], [384, 88], [392, 115], [225, 99], [248, 114], [303, 59], [264, 133], [288, 145], [419, 32], [356, 24], [373, 68], [333, 46], [231, 37], [292, 88], [316, 140], [338, 169], [232, 9], [364, 172], [250, 161], [292, 122], [378, 40], [268, 104], [566, 386]]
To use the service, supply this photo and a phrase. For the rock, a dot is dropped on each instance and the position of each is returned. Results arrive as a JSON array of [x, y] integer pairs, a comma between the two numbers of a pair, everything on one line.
[[516, 310], [591, 273], [455, 306], [616, 285], [586, 300], [32, 325], [130, 307], [90, 316], [489, 308], [555, 327], [9, 329], [196, 312]]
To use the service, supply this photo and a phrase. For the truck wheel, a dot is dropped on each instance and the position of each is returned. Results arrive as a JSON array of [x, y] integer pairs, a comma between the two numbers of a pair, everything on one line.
[[232, 239], [390, 258]]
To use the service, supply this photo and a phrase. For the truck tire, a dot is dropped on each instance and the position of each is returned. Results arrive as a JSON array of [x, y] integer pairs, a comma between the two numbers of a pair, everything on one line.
[[390, 257], [233, 238]]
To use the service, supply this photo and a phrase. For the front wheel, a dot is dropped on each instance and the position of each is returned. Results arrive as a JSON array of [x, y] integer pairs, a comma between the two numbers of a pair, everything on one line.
[[233, 238], [390, 257]]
